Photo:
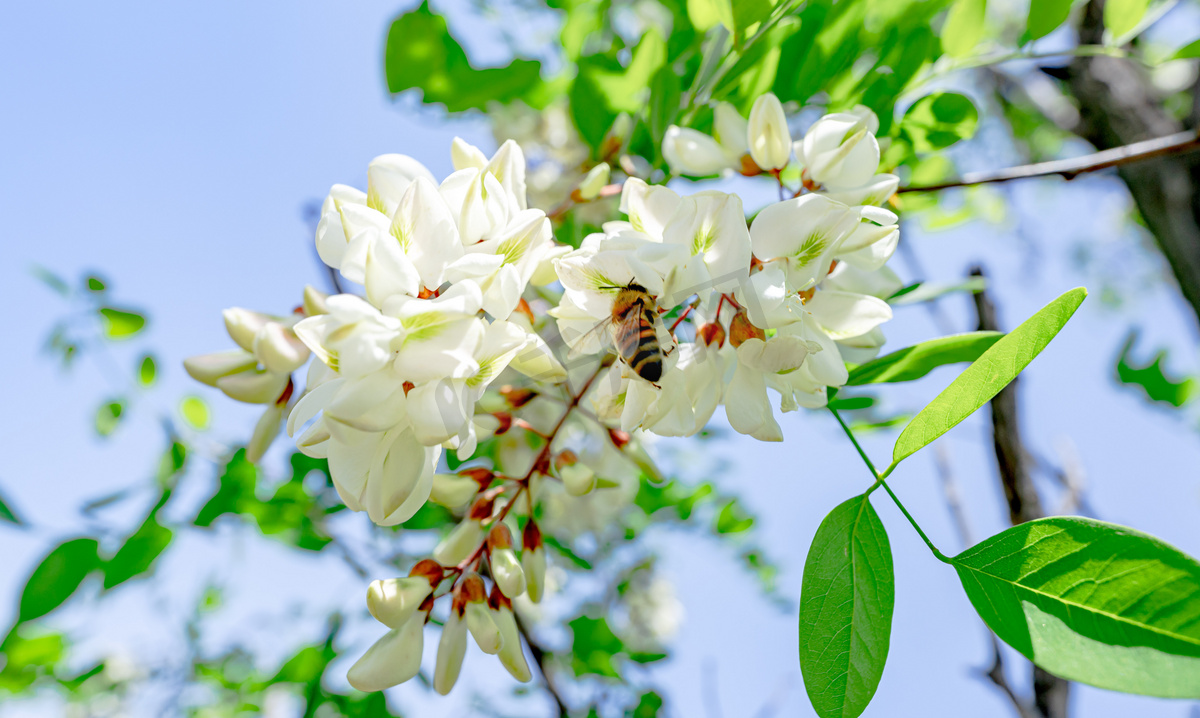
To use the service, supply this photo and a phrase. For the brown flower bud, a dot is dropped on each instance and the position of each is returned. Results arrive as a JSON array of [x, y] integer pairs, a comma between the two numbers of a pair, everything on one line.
[[517, 396], [713, 333], [506, 422], [481, 510], [499, 538], [428, 569], [531, 536], [497, 599], [565, 458], [619, 438], [472, 588], [481, 474], [740, 329], [749, 168]]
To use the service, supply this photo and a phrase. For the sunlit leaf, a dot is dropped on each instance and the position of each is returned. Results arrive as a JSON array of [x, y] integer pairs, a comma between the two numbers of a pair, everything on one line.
[[1045, 16], [1151, 377], [1121, 16], [1190, 50], [846, 602], [704, 14], [964, 27], [147, 371], [990, 373], [121, 323], [1091, 602], [937, 121], [57, 577], [918, 360], [108, 416], [195, 412]]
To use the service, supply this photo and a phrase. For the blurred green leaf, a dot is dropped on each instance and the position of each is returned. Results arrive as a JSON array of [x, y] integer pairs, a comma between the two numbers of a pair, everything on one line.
[[918, 360], [705, 14], [733, 519], [7, 514], [430, 516], [1151, 377], [852, 403], [1092, 602], [928, 291], [108, 416], [235, 485], [1190, 50], [648, 706], [121, 323], [593, 647], [1121, 16], [846, 601], [51, 280], [990, 373], [138, 553], [147, 371], [1045, 16], [937, 121], [604, 87], [95, 284], [652, 497], [421, 53], [964, 27], [195, 412], [57, 577]]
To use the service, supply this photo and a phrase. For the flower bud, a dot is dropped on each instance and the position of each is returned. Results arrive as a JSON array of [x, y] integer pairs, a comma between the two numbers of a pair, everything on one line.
[[208, 368], [740, 329], [314, 301], [453, 490], [451, 649], [533, 561], [459, 543], [617, 135], [840, 151], [730, 130], [254, 387], [479, 619], [512, 657], [393, 601], [464, 155], [265, 432], [278, 348], [690, 152], [243, 325], [578, 479], [506, 569], [590, 187], [712, 333], [517, 396], [393, 659], [767, 133]]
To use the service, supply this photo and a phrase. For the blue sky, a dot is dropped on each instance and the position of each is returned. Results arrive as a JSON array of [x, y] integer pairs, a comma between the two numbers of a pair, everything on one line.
[[171, 148]]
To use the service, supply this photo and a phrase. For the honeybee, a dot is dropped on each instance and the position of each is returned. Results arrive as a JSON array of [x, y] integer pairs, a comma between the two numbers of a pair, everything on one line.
[[633, 330]]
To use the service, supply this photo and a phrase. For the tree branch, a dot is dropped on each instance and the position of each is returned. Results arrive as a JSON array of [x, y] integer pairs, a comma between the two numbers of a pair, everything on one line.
[[1175, 144], [1051, 694], [539, 657]]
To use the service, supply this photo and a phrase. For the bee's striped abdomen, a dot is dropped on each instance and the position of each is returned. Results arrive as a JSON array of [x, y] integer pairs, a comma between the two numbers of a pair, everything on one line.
[[646, 359]]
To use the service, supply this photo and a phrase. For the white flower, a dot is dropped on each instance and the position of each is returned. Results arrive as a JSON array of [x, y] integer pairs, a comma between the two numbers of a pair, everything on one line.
[[873, 241], [768, 136], [839, 151], [595, 180], [511, 655], [712, 227], [260, 371], [691, 152], [393, 659], [502, 266], [746, 404], [731, 130], [393, 601], [805, 233]]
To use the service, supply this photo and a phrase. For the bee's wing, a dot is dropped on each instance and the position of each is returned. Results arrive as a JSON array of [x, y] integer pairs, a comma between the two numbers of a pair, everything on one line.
[[631, 325], [600, 332]]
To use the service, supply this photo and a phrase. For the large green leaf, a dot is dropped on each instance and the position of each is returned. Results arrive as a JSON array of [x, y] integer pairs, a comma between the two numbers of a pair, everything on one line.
[[990, 373], [1091, 602], [964, 27], [57, 577], [846, 603], [1045, 16], [937, 121], [918, 360], [421, 53]]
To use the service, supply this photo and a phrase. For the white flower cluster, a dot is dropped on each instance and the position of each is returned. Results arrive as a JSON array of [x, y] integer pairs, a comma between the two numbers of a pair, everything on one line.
[[701, 307]]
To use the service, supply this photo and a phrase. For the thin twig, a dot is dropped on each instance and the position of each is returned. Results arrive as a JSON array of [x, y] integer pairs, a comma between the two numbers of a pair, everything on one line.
[[1175, 144], [539, 657]]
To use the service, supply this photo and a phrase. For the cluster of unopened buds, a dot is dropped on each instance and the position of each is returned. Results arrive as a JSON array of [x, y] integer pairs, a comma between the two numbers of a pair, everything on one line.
[[682, 306]]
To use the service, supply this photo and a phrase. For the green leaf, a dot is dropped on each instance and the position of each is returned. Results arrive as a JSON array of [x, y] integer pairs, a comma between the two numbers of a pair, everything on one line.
[[121, 323], [705, 14], [964, 27], [195, 412], [733, 519], [421, 53], [8, 515], [1151, 377], [95, 284], [1190, 50], [593, 647], [57, 577], [1091, 602], [147, 371], [748, 13], [846, 602], [928, 291], [990, 373], [937, 121], [1121, 16], [1045, 16], [852, 403], [138, 553], [108, 416], [648, 706], [918, 360]]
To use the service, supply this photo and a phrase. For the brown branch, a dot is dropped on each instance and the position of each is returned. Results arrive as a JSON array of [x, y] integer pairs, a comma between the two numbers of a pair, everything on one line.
[[1178, 143], [539, 657], [1051, 693]]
